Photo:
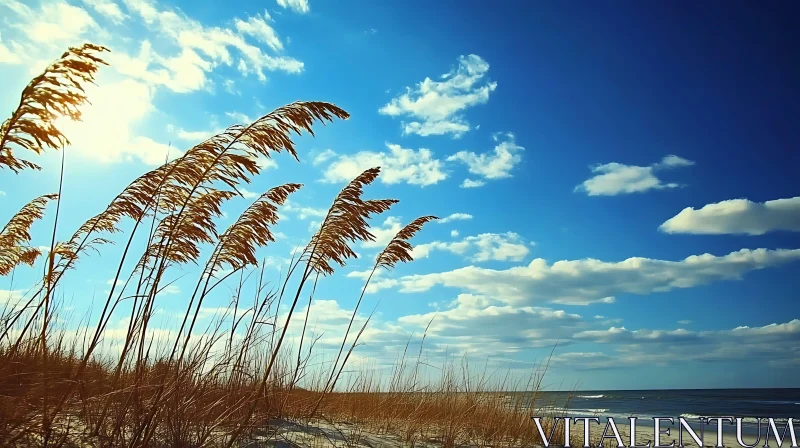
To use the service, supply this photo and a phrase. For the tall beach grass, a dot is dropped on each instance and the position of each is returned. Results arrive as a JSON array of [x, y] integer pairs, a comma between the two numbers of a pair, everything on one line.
[[218, 384]]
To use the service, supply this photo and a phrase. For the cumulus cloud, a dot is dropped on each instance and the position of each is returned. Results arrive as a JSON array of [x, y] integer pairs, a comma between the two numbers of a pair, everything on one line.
[[437, 107], [398, 165], [737, 216], [304, 212], [581, 282], [53, 24], [230, 87], [469, 183], [239, 117], [383, 234], [616, 178], [300, 6], [496, 164], [470, 324], [201, 49], [455, 217], [107, 8], [196, 136], [323, 157], [258, 28], [775, 344], [507, 246], [474, 323], [247, 194]]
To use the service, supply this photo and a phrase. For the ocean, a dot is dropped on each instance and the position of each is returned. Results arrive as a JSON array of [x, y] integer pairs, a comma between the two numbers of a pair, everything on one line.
[[780, 404]]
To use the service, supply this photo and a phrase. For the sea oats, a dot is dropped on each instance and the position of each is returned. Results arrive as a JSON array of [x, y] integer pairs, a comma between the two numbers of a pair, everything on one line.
[[57, 92]]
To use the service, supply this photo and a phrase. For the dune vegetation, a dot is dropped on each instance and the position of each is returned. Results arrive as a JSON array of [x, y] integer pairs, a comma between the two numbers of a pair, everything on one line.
[[61, 386]]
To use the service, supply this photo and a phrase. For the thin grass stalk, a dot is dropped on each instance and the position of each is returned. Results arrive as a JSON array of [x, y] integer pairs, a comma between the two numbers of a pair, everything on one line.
[[303, 333], [45, 320]]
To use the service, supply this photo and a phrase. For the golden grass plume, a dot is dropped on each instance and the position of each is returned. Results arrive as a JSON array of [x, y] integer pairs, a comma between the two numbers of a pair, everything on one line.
[[58, 91], [399, 249], [15, 236], [238, 244], [345, 223]]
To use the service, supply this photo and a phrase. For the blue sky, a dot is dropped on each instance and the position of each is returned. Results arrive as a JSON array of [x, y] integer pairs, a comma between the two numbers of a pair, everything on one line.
[[620, 181]]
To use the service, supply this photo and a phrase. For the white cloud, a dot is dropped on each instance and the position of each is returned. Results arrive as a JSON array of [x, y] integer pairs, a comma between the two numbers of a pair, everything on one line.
[[201, 49], [455, 217], [587, 281], [196, 136], [772, 344], [300, 6], [240, 118], [470, 324], [2, 193], [616, 178], [230, 87], [383, 234], [54, 24], [496, 164], [258, 28], [475, 324], [438, 106], [107, 8], [364, 275], [10, 55], [469, 183], [247, 194], [585, 360], [684, 322], [324, 156], [11, 297], [169, 289], [266, 163], [737, 216], [507, 246], [303, 212], [454, 233], [399, 165]]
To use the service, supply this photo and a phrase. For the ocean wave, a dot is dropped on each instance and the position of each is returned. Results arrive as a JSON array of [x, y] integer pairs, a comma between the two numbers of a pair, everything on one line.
[[694, 416], [746, 420], [590, 396], [587, 411]]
